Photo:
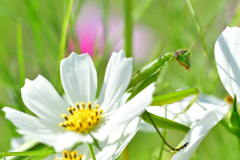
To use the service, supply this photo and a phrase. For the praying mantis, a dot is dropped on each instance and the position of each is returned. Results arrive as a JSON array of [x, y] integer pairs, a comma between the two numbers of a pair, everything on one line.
[[148, 74]]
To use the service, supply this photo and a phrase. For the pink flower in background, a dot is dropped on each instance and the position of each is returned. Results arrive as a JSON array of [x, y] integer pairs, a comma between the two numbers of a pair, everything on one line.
[[90, 33]]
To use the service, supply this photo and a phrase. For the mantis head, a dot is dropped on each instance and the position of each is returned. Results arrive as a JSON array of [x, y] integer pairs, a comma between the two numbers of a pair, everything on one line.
[[183, 58]]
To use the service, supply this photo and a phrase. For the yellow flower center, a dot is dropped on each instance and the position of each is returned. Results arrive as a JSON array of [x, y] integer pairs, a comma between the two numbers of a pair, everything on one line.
[[82, 119], [228, 99], [70, 156]]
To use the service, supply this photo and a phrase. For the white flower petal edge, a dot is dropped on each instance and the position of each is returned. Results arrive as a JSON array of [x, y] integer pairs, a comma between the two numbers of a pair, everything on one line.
[[113, 150], [30, 124], [227, 55], [42, 99], [68, 139], [117, 77], [79, 78], [198, 131]]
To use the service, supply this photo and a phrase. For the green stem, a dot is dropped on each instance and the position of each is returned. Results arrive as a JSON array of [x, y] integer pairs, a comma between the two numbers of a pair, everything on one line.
[[164, 136], [20, 53], [64, 32], [91, 151], [128, 27], [28, 153]]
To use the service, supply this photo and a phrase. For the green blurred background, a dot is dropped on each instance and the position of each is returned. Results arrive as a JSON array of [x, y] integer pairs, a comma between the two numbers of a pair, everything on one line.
[[173, 27]]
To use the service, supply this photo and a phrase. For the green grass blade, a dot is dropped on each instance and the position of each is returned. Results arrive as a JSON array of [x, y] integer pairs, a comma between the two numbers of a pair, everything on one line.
[[28, 153], [198, 25], [20, 53], [40, 147], [34, 20], [63, 38], [128, 27], [64, 31]]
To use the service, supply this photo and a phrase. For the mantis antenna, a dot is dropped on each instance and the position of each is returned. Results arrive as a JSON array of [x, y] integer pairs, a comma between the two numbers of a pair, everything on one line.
[[210, 25]]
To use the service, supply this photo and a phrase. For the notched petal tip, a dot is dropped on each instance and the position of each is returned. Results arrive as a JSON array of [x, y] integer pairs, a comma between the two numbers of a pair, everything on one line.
[[28, 81], [6, 109]]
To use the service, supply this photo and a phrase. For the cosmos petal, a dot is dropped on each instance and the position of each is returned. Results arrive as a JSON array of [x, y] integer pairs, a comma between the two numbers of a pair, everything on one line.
[[198, 131], [31, 124], [69, 139], [227, 55], [42, 99], [112, 150], [79, 78], [117, 77]]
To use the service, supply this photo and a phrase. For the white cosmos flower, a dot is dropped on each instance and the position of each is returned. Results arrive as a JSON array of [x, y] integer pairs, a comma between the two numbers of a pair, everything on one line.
[[200, 120], [58, 125]]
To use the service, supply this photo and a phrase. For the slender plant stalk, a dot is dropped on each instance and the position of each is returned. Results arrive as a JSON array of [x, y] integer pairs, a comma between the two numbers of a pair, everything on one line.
[[64, 31], [128, 27], [20, 53], [72, 24], [28, 153], [91, 151], [105, 5], [74, 36], [164, 136], [63, 36], [20, 60]]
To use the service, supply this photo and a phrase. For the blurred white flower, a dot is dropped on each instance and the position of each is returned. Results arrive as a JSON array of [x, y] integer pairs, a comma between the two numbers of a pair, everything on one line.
[[61, 126]]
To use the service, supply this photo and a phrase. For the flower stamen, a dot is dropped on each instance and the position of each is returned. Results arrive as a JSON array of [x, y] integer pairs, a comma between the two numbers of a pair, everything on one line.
[[68, 155], [82, 119], [228, 99]]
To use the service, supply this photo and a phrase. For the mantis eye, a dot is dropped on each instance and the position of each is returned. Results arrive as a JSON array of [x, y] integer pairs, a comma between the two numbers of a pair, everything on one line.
[[183, 58]]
